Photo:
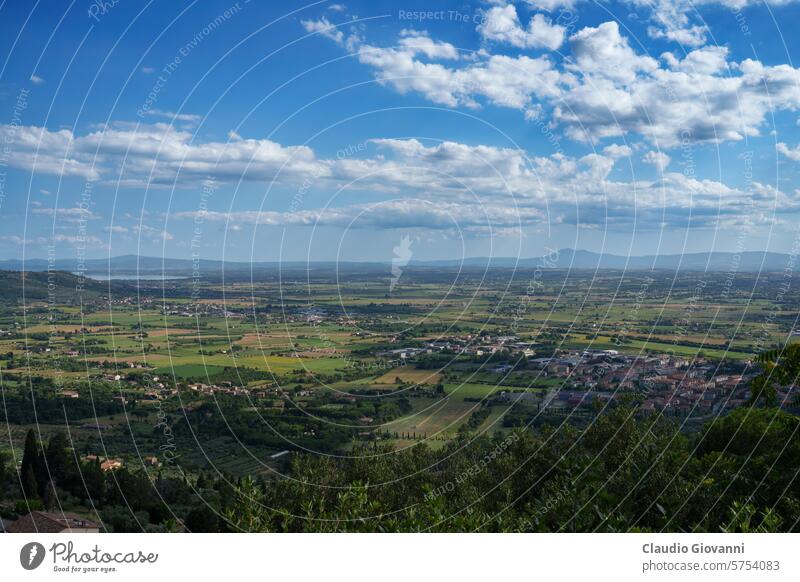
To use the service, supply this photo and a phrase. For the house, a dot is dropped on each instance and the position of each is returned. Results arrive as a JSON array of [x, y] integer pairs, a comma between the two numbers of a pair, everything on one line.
[[52, 522], [110, 464], [105, 464]]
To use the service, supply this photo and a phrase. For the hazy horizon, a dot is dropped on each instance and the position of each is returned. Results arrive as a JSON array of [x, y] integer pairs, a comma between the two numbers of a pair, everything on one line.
[[525, 127]]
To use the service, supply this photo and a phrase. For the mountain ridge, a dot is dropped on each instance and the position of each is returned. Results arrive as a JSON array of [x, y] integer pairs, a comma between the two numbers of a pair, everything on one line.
[[746, 261]]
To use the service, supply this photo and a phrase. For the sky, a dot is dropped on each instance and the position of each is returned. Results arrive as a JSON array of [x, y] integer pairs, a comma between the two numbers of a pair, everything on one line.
[[345, 131]]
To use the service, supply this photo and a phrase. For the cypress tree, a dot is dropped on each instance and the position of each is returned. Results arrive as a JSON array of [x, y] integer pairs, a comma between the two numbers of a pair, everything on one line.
[[57, 458], [3, 475], [50, 497], [30, 469], [29, 485]]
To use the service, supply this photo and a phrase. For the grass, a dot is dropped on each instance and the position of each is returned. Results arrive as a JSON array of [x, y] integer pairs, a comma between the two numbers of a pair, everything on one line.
[[409, 376], [433, 417]]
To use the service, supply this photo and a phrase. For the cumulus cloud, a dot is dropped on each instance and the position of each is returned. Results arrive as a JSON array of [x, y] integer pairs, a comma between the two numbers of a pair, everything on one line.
[[709, 60], [73, 215], [689, 35], [324, 27], [190, 118], [501, 24], [484, 186], [606, 89], [155, 235], [418, 42], [550, 4], [405, 214], [45, 151], [604, 53], [615, 151], [792, 154], [41, 241], [672, 20], [481, 189], [501, 80], [700, 98], [679, 21], [659, 160], [141, 155]]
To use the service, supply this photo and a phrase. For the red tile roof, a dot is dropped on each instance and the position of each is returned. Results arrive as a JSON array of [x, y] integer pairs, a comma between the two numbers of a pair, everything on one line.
[[47, 522]]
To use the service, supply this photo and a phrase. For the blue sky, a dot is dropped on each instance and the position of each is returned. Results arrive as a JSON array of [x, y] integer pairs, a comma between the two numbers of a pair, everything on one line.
[[287, 131]]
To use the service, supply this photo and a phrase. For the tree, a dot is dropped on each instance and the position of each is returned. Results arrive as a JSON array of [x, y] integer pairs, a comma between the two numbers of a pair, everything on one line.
[[50, 497], [94, 479], [31, 466], [762, 388], [202, 519], [3, 475], [30, 487], [57, 457]]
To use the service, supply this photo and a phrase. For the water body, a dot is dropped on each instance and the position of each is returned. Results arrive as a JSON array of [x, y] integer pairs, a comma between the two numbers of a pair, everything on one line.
[[130, 277]]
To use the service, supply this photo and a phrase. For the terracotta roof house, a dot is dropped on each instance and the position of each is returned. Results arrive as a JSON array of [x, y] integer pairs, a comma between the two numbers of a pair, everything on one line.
[[110, 464], [48, 522]]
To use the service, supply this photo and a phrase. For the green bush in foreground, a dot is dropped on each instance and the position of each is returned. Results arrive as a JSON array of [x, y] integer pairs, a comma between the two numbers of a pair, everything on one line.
[[622, 474]]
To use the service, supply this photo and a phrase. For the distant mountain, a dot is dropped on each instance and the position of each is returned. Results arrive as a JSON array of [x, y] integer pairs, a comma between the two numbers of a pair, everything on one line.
[[124, 263], [750, 261], [133, 264], [60, 288]]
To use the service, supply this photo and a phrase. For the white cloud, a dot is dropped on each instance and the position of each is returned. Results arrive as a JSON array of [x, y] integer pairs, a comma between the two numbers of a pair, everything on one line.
[[73, 215], [483, 188], [417, 42], [690, 36], [190, 118], [659, 160], [324, 27], [79, 240], [678, 21], [501, 80], [792, 154], [616, 151], [18, 240], [709, 60], [489, 186], [140, 155], [40, 241], [701, 98], [409, 213], [37, 80], [155, 235], [604, 53], [607, 89], [550, 4], [672, 21], [501, 24]]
